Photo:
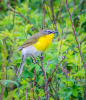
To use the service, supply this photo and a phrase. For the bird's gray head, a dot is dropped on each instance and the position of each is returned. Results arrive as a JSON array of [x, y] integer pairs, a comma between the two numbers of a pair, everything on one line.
[[48, 31]]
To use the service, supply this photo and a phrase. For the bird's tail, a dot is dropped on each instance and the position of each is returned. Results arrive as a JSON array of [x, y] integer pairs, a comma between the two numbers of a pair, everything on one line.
[[21, 65]]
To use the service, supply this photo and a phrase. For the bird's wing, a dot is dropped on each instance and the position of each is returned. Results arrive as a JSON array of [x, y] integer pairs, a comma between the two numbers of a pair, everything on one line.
[[33, 39]]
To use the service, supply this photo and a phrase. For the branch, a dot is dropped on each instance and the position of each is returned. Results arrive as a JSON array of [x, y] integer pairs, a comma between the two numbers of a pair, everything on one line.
[[78, 48], [77, 7], [43, 14], [44, 73], [3, 67], [53, 96], [26, 94], [83, 40], [55, 70], [79, 14], [38, 96], [47, 67], [48, 12], [64, 69], [34, 81], [21, 16], [54, 20], [73, 7], [75, 36]]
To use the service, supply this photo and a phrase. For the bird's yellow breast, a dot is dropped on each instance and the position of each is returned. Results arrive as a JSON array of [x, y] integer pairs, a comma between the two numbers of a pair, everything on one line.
[[43, 42]]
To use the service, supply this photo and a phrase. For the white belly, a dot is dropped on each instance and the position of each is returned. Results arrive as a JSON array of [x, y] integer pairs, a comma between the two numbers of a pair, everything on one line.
[[30, 50]]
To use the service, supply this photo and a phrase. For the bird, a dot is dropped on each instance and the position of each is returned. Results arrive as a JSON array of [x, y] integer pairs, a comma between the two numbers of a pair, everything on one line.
[[35, 45]]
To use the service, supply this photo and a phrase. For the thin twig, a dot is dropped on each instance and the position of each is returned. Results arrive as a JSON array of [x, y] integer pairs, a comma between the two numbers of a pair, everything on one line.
[[14, 13], [55, 70], [53, 96], [73, 7], [9, 11], [18, 13], [64, 69], [41, 58], [34, 81], [53, 17], [27, 9], [21, 16], [52, 86], [15, 69], [47, 67], [83, 40], [38, 96], [26, 94], [78, 47], [79, 14], [48, 12], [43, 14], [18, 87], [75, 36], [77, 7], [46, 83], [3, 67], [60, 8]]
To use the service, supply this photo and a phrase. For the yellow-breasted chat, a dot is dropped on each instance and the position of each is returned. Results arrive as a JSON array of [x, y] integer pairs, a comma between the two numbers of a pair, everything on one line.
[[35, 45]]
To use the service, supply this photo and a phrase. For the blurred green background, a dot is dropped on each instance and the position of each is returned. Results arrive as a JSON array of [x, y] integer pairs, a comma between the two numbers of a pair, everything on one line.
[[19, 19]]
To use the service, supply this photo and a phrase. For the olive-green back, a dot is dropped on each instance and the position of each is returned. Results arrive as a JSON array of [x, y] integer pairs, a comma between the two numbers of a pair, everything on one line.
[[33, 39]]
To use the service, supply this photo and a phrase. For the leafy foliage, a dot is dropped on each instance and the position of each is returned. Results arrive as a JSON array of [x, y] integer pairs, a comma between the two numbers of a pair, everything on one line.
[[68, 81]]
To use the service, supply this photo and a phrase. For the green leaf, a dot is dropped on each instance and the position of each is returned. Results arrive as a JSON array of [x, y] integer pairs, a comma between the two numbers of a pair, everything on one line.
[[27, 74], [8, 82], [75, 92], [28, 27]]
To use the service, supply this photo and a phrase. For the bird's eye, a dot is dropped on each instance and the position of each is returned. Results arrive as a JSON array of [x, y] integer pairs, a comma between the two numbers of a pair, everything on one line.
[[49, 31]]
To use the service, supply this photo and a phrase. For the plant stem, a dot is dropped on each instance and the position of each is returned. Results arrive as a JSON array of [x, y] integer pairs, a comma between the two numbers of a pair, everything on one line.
[[43, 14], [21, 16], [34, 81], [44, 73], [55, 70], [77, 46], [75, 36], [53, 17]]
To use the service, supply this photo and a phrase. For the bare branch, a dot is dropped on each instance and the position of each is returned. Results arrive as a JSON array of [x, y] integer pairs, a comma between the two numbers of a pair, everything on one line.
[[46, 67], [83, 40], [55, 70], [78, 47], [11, 9], [53, 96], [77, 7], [43, 14], [48, 12], [3, 67], [46, 83], [54, 20], [34, 81], [79, 13], [75, 36], [26, 94]]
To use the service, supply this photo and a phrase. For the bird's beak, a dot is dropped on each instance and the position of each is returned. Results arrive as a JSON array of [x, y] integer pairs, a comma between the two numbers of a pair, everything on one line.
[[55, 32]]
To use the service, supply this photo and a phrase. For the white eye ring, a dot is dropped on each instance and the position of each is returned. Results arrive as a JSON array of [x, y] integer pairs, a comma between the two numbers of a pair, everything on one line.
[[49, 30]]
